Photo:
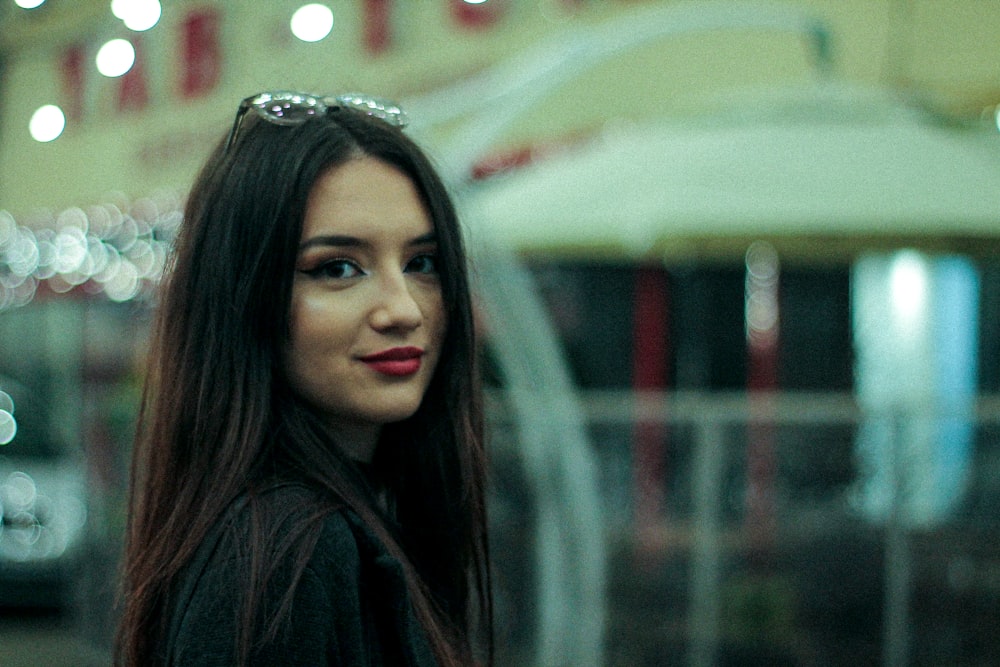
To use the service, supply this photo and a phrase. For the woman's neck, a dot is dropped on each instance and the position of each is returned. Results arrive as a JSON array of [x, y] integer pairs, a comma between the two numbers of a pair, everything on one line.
[[356, 440]]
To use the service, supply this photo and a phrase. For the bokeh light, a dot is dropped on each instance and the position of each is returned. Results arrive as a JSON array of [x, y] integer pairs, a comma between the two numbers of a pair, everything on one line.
[[138, 15], [312, 22], [761, 292], [115, 58], [8, 427], [47, 123], [120, 252], [909, 282], [29, 4]]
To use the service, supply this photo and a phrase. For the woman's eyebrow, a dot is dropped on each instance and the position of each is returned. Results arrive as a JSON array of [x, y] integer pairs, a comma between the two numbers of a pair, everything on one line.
[[331, 240], [343, 241], [424, 239]]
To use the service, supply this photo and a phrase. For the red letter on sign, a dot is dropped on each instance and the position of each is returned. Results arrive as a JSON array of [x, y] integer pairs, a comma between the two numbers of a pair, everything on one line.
[[202, 54], [481, 15], [132, 92], [72, 82], [378, 32]]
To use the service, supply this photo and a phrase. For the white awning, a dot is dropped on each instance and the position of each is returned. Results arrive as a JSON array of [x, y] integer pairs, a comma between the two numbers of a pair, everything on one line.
[[834, 168]]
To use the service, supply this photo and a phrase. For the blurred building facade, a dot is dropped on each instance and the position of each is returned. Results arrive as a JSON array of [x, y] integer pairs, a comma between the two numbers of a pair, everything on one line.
[[135, 133]]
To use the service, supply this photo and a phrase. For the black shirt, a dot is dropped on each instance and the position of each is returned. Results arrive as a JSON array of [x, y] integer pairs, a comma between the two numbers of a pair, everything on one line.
[[351, 606]]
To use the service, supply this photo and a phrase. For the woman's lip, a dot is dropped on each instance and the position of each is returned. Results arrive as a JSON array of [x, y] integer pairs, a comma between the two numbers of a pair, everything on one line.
[[397, 368], [394, 354], [395, 362]]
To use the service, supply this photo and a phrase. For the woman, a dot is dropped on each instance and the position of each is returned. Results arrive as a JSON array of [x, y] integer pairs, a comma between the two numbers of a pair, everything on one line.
[[308, 474]]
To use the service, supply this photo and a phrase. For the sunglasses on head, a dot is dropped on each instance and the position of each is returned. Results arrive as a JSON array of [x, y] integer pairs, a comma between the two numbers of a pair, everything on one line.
[[291, 108]]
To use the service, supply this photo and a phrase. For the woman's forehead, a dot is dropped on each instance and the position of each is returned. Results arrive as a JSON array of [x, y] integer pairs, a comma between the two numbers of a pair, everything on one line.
[[363, 198]]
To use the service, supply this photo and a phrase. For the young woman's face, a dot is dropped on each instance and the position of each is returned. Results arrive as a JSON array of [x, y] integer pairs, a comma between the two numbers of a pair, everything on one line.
[[367, 314]]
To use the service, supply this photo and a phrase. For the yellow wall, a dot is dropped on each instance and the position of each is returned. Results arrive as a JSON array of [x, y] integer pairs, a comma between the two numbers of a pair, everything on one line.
[[943, 51]]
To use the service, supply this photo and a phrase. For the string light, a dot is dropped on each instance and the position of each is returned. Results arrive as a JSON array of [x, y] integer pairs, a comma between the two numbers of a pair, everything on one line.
[[115, 58], [137, 15], [8, 425], [47, 123], [312, 22], [101, 250]]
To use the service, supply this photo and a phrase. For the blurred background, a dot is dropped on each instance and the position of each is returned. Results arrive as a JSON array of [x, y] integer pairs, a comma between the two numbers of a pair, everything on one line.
[[738, 272]]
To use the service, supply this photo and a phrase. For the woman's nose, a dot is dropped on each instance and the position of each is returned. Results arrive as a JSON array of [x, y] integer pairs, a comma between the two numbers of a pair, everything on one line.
[[395, 306]]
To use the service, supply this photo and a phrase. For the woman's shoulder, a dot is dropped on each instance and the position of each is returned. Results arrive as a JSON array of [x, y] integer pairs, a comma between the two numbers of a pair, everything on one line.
[[282, 520], [325, 615], [347, 590], [291, 512]]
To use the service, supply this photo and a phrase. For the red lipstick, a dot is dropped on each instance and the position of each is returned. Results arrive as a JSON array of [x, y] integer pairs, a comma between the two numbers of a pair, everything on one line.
[[396, 362]]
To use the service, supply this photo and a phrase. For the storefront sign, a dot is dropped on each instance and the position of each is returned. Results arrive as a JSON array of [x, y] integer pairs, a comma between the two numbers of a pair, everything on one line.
[[198, 52]]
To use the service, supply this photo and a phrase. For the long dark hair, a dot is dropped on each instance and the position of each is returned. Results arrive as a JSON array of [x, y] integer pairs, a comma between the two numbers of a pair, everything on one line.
[[218, 421]]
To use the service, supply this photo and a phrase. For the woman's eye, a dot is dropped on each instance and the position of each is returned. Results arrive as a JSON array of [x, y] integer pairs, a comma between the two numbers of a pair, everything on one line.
[[338, 269], [423, 264]]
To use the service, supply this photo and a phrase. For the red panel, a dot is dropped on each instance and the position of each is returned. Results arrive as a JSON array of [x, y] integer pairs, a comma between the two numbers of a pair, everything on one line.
[[133, 91], [649, 372], [481, 15], [378, 25], [72, 70], [201, 52], [761, 461]]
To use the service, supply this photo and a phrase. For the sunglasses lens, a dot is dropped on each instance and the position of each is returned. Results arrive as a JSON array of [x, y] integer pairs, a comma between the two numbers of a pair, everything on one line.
[[373, 106], [287, 109]]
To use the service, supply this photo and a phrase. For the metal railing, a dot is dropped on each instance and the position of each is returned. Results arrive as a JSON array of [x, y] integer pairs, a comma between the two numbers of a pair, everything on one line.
[[712, 439]]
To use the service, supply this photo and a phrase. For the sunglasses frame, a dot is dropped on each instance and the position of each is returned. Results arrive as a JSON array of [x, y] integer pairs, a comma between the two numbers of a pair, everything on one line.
[[289, 108]]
